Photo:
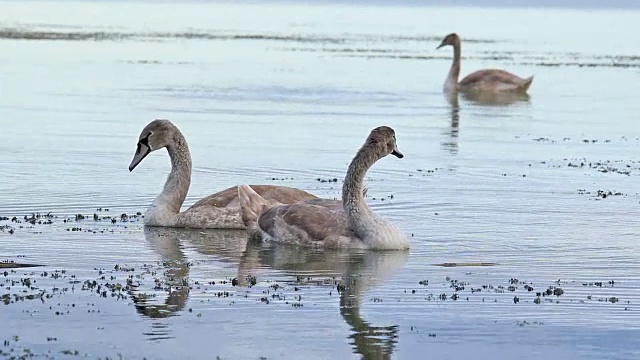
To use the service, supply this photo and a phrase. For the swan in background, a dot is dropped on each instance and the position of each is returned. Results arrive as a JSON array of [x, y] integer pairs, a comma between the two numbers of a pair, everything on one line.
[[330, 223], [220, 210], [488, 80]]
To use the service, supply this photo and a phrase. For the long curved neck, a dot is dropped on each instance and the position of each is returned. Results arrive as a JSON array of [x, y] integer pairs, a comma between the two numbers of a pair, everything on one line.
[[360, 217], [170, 200], [454, 72]]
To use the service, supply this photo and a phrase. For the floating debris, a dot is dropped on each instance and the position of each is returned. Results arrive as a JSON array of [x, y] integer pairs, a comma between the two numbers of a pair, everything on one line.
[[460, 264]]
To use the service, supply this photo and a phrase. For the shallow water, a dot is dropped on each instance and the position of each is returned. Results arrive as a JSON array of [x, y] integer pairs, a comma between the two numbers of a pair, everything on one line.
[[284, 94]]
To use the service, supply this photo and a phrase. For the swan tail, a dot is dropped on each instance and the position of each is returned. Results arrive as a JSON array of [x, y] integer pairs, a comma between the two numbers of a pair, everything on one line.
[[527, 83], [251, 205]]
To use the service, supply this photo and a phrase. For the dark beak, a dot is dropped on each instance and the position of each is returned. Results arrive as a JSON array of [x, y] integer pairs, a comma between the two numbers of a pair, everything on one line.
[[441, 45], [141, 152], [397, 152]]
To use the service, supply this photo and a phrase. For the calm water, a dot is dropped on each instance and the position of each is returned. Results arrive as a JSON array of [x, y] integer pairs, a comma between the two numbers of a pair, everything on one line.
[[283, 94]]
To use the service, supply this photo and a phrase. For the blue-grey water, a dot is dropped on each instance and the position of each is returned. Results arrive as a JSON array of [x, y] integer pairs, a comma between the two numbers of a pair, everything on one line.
[[544, 190]]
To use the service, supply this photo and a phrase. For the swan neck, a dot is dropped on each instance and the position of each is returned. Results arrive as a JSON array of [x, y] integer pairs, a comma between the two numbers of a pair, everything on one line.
[[170, 200], [454, 72], [359, 214]]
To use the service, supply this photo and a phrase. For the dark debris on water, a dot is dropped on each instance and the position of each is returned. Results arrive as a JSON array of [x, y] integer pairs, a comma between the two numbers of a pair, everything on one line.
[[521, 291], [20, 222], [619, 167]]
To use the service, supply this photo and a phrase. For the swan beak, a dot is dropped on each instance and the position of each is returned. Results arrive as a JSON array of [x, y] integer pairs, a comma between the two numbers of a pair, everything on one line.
[[397, 152], [142, 152], [441, 45]]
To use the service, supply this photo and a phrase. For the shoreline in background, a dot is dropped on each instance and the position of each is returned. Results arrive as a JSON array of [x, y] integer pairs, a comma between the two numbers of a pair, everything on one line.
[[539, 4]]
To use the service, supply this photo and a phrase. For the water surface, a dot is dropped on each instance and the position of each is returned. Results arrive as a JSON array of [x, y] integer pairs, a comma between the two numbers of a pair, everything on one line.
[[545, 187]]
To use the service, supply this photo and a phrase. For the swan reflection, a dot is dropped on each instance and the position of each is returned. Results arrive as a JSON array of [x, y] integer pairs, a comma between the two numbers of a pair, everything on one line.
[[495, 99], [360, 271], [453, 131]]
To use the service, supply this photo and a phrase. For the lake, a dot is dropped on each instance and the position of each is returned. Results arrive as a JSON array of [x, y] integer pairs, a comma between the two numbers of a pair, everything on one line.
[[522, 215]]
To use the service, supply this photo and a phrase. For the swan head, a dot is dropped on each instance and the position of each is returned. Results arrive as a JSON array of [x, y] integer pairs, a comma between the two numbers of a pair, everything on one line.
[[383, 140], [451, 39], [156, 135]]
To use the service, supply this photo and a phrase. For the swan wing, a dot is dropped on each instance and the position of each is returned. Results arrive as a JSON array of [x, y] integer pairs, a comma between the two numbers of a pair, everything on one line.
[[494, 79], [313, 221], [273, 194]]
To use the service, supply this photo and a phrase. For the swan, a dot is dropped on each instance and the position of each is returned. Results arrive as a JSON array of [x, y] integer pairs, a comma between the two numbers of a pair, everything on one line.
[[330, 223], [218, 211], [487, 80]]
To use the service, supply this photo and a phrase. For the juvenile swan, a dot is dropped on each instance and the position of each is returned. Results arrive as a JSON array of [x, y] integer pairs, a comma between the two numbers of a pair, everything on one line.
[[488, 80], [330, 223], [218, 211]]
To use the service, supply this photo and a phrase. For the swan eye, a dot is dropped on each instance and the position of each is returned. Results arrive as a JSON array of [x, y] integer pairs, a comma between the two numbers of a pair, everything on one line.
[[145, 140]]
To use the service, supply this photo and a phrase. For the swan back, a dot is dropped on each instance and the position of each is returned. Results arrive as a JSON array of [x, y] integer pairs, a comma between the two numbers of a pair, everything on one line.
[[495, 80]]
